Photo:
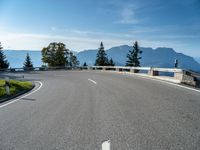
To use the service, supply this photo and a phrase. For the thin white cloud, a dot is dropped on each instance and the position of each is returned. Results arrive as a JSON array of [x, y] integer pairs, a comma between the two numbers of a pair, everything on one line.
[[31, 41], [84, 32], [53, 28], [80, 40], [128, 16], [144, 30], [97, 34], [127, 13], [38, 41]]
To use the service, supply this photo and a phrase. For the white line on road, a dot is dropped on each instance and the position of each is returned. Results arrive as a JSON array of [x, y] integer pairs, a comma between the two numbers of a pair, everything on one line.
[[106, 145], [6, 104], [167, 82], [92, 81], [178, 85]]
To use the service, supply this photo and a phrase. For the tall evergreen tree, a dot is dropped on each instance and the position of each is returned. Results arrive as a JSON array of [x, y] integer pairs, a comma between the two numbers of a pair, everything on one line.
[[111, 62], [28, 65], [101, 58], [85, 64], [4, 64], [133, 56]]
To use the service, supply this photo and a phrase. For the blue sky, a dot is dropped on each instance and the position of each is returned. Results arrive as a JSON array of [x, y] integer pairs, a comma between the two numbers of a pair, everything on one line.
[[83, 24]]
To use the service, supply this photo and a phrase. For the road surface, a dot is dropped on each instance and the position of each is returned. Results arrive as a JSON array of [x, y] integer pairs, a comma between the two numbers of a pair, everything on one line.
[[78, 110]]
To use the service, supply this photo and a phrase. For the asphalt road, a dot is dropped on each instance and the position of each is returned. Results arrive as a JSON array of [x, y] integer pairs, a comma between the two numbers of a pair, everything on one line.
[[77, 110]]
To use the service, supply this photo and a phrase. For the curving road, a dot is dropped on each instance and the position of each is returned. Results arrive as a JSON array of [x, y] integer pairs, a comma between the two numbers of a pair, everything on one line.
[[76, 110]]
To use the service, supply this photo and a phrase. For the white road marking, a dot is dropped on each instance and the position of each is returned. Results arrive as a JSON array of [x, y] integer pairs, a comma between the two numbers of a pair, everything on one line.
[[6, 104], [106, 145], [92, 81]]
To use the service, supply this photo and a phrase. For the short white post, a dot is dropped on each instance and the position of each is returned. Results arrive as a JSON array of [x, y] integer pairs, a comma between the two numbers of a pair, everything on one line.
[[7, 84], [117, 69]]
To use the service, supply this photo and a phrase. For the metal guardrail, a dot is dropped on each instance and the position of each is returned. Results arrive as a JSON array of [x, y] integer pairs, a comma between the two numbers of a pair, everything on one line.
[[174, 70], [184, 76], [38, 68], [178, 75], [139, 68], [196, 74]]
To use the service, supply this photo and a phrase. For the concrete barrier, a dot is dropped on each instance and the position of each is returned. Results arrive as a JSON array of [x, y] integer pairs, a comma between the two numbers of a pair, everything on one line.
[[186, 77]]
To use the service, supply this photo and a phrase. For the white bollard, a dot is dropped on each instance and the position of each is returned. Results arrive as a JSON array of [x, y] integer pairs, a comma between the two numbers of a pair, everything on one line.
[[106, 145], [7, 86]]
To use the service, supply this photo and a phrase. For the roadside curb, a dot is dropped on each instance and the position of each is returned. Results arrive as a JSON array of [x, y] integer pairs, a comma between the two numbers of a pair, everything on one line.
[[17, 95]]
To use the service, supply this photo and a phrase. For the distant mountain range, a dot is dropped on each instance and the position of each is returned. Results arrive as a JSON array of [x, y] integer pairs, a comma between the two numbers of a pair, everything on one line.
[[16, 57], [159, 57], [197, 59]]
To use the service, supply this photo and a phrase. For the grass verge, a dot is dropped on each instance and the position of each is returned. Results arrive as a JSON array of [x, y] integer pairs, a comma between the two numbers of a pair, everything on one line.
[[16, 87]]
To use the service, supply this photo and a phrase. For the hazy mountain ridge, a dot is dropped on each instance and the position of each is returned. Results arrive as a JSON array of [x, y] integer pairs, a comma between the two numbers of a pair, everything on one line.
[[159, 57], [197, 59], [16, 58]]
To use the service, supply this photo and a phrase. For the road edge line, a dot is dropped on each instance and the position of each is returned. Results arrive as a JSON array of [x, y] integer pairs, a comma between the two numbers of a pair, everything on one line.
[[14, 100]]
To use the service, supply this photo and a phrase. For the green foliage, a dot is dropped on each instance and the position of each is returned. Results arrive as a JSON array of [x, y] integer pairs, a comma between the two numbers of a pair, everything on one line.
[[28, 65], [101, 58], [85, 64], [133, 56], [15, 87], [55, 54], [3, 62], [111, 63], [73, 61]]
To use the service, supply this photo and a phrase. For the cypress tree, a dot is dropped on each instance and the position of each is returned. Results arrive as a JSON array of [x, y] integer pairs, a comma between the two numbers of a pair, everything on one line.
[[4, 64], [133, 56], [28, 65], [85, 64], [101, 58]]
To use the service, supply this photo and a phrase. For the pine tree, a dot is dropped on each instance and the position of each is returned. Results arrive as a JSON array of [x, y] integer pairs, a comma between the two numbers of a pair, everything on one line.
[[133, 56], [4, 64], [28, 65], [111, 63], [101, 58], [85, 64]]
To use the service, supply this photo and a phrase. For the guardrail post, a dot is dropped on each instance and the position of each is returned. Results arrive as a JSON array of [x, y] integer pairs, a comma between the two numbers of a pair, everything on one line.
[[7, 85], [153, 72], [104, 68], [117, 69], [134, 70]]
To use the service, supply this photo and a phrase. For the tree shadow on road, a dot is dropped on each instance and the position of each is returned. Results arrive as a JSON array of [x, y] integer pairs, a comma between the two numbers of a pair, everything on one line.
[[28, 99]]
